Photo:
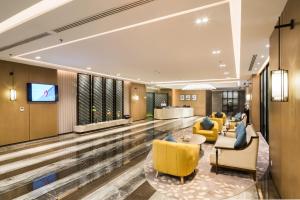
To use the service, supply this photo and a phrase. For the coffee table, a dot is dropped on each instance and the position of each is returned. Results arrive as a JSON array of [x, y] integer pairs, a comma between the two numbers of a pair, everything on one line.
[[195, 139]]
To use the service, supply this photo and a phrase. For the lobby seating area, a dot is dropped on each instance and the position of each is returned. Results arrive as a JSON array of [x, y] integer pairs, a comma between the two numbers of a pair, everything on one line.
[[149, 99]]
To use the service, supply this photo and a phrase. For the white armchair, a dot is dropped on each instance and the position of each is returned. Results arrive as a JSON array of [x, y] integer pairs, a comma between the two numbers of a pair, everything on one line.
[[225, 155]]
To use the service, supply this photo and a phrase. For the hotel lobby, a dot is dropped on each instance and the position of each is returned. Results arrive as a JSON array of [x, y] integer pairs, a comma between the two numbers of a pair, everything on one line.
[[149, 99]]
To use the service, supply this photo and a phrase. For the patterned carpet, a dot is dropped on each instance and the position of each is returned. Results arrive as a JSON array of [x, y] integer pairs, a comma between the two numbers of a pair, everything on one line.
[[205, 184]]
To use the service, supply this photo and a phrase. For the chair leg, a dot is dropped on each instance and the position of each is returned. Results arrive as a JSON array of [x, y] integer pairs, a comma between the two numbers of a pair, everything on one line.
[[217, 158], [182, 180], [156, 175], [254, 175]]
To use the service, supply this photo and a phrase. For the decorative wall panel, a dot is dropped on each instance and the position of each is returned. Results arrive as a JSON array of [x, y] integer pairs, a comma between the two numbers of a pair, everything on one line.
[[67, 101], [97, 105], [83, 99], [119, 99], [161, 98], [109, 99], [127, 100]]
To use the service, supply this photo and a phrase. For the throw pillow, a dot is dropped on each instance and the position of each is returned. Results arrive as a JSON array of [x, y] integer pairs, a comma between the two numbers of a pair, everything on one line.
[[241, 140], [170, 138], [219, 115], [238, 116], [207, 124]]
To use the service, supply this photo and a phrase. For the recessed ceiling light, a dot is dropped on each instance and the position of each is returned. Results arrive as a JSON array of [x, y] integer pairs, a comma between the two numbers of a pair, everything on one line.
[[118, 74], [226, 73], [138, 79], [214, 52], [258, 63], [202, 20], [222, 65], [38, 57], [88, 68], [262, 56], [267, 45], [30, 13]]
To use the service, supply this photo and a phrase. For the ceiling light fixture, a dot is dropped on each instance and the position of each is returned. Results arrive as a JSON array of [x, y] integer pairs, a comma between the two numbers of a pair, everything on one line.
[[215, 52], [30, 13], [267, 46], [222, 65], [138, 79], [38, 57], [202, 20], [262, 56], [258, 63], [88, 68]]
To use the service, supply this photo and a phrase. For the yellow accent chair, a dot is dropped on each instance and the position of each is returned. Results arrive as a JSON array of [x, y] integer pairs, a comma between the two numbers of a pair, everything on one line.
[[177, 159], [219, 121], [211, 135], [213, 115]]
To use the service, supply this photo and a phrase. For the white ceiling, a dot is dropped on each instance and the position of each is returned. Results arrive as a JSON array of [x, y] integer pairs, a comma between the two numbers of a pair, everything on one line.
[[166, 50]]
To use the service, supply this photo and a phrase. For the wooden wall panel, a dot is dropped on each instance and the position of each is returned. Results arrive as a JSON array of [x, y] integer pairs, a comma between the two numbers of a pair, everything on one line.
[[67, 101], [255, 102], [43, 116], [14, 125], [138, 107], [199, 105], [284, 134], [38, 120]]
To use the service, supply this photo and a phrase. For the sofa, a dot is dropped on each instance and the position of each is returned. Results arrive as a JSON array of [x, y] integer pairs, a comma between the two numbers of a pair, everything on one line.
[[211, 135], [213, 115], [177, 159], [225, 155]]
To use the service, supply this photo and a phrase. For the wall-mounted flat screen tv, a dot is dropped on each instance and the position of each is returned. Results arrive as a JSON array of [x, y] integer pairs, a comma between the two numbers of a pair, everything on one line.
[[37, 92]]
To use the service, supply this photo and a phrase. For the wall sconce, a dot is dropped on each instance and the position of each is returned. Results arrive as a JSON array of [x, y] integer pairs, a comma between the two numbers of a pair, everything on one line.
[[12, 92], [135, 97], [248, 97], [279, 78]]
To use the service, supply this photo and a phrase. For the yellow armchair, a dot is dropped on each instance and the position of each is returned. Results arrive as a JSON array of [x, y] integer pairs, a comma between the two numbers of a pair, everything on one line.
[[213, 115], [219, 121], [177, 159], [211, 135]]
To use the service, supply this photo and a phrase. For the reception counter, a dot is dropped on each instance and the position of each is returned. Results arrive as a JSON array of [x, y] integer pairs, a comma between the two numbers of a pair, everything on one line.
[[173, 113]]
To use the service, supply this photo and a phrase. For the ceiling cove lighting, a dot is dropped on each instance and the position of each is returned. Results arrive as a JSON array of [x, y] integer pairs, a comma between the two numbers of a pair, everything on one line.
[[30, 13], [279, 77], [201, 86]]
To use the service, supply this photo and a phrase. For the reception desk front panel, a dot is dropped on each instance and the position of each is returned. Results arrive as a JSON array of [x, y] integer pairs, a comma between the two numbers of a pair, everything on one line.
[[173, 113]]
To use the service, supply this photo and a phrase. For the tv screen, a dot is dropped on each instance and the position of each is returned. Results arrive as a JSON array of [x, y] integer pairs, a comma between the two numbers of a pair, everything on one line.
[[42, 92]]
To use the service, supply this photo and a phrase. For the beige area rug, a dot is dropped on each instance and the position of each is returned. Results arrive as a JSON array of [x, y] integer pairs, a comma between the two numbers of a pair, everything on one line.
[[205, 184]]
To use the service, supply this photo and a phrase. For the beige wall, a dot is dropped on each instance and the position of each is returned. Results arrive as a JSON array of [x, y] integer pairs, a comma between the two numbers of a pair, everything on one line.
[[138, 107], [67, 101], [199, 105], [37, 120], [284, 118]]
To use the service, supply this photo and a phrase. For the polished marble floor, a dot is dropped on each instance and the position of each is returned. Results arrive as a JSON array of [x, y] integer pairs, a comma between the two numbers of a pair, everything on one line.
[[106, 164]]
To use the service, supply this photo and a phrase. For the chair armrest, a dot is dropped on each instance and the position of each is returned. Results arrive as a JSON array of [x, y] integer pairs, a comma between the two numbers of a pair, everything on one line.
[[225, 148]]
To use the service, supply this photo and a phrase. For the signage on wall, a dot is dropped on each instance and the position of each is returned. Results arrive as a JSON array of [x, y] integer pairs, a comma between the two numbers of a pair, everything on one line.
[[194, 97], [182, 97], [188, 97]]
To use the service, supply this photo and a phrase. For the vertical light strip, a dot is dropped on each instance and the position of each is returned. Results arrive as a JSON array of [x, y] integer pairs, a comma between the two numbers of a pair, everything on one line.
[[30, 13], [235, 15]]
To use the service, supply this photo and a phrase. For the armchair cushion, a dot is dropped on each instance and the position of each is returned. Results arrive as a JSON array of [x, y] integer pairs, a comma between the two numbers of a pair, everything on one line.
[[170, 138], [241, 139], [207, 124], [218, 115]]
